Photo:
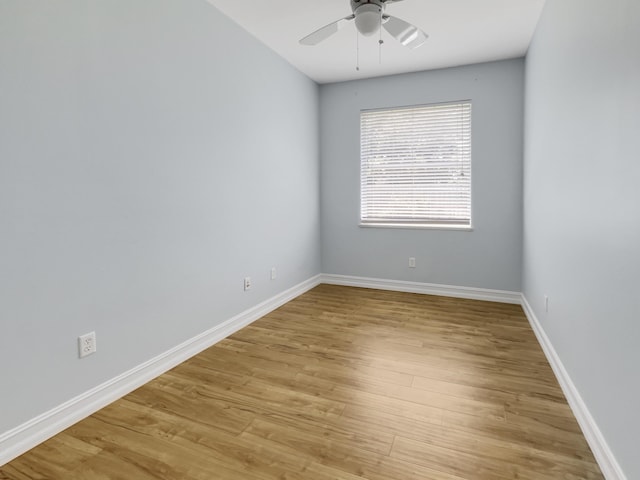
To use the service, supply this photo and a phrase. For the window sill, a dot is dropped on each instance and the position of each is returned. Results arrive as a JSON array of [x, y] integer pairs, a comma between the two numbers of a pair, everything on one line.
[[433, 226]]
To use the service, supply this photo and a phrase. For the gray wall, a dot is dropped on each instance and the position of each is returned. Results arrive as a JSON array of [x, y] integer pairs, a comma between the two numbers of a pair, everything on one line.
[[152, 154], [582, 204], [487, 257]]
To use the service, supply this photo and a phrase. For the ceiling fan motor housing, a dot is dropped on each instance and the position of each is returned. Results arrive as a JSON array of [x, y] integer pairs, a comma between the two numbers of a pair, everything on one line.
[[368, 15]]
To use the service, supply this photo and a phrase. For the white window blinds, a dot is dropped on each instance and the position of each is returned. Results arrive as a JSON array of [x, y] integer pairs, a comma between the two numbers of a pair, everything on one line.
[[416, 165]]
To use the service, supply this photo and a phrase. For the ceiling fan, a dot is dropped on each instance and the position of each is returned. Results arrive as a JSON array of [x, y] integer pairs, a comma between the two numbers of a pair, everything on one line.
[[369, 16]]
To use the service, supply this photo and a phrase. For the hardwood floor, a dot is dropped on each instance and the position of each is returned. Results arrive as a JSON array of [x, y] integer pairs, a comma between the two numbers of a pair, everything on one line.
[[341, 383]]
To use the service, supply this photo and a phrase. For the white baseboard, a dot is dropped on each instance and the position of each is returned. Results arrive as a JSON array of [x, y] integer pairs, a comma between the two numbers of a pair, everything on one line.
[[604, 456], [17, 441], [501, 296]]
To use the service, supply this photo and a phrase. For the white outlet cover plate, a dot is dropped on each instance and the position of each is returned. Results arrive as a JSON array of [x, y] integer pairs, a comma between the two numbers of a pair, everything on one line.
[[87, 344]]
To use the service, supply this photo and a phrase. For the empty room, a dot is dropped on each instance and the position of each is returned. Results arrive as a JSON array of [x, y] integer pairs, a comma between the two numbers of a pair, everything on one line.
[[337, 239]]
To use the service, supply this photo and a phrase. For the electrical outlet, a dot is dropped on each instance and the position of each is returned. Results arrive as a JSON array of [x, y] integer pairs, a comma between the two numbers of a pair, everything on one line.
[[546, 303], [87, 344], [412, 262], [273, 273], [247, 283]]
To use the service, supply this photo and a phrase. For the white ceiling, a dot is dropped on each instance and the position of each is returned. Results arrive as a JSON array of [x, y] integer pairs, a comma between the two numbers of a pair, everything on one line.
[[460, 32]]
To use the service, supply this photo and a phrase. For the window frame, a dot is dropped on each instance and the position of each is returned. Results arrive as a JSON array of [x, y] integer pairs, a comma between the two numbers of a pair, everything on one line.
[[424, 223]]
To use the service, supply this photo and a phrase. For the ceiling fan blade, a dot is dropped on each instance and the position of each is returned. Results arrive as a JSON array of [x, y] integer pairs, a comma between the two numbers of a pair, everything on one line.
[[326, 31], [407, 34]]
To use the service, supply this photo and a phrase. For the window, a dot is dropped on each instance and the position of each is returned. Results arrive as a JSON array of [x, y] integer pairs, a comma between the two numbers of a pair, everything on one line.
[[416, 166]]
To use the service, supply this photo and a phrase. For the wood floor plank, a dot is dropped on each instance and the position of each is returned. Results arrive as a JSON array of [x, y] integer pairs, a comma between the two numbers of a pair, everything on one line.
[[52, 459], [340, 383], [340, 456], [544, 437]]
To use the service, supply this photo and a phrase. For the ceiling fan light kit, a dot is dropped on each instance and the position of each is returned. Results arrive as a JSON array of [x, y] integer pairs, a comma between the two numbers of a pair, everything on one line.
[[370, 16]]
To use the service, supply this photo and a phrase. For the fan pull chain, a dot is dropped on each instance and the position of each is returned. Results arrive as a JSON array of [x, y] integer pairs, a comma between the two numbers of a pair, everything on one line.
[[357, 51], [380, 41]]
